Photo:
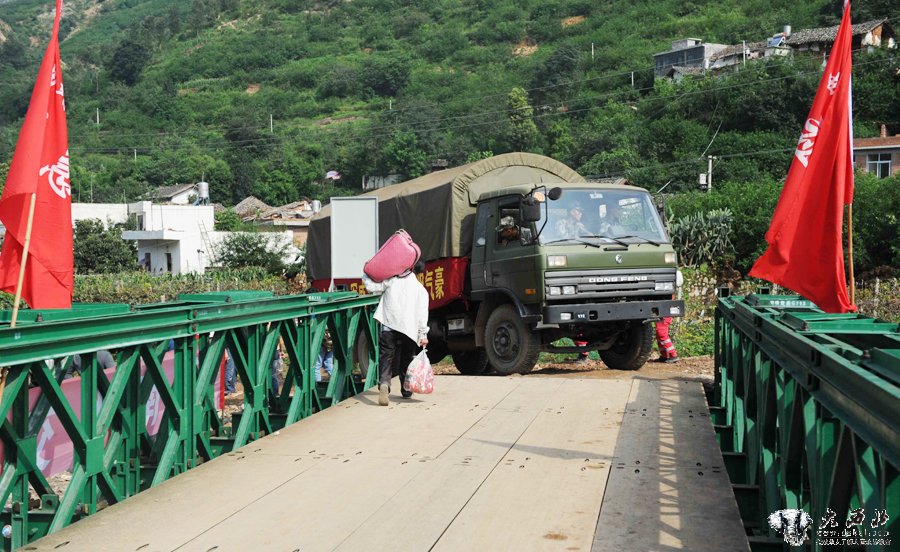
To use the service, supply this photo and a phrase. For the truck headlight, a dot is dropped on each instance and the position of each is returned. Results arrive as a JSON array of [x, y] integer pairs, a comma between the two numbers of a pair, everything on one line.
[[665, 286], [557, 261], [568, 290], [554, 290], [670, 258]]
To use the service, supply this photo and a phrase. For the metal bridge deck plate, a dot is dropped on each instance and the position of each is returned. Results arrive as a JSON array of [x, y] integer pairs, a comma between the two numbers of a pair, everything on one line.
[[484, 463]]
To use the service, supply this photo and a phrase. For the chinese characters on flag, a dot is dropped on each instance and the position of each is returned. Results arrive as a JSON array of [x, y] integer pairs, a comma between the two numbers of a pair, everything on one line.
[[805, 250], [40, 166]]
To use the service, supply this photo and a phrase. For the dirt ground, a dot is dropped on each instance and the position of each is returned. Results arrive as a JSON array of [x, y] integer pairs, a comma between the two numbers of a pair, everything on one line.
[[693, 368]]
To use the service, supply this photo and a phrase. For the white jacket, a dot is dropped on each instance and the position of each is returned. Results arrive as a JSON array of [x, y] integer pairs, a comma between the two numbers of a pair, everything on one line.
[[403, 306]]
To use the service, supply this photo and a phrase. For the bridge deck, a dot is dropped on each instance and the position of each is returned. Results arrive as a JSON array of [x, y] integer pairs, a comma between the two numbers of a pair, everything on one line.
[[485, 463]]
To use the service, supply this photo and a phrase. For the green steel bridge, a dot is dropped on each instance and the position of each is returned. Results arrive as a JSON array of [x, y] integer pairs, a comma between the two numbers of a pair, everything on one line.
[[803, 415]]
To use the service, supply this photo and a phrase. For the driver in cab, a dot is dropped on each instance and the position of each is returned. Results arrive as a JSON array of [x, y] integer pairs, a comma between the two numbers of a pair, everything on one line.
[[571, 226], [610, 225]]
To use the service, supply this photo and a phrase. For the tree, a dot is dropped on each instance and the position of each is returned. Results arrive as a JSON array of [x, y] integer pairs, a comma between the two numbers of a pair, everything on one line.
[[99, 250], [228, 221], [523, 132], [243, 249], [128, 61], [386, 76], [403, 155]]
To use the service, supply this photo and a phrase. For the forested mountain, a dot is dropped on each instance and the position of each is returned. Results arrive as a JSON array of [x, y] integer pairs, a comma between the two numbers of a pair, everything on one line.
[[264, 97]]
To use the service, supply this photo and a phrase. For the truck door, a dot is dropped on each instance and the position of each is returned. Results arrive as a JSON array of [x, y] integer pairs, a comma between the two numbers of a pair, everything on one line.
[[479, 244], [511, 258]]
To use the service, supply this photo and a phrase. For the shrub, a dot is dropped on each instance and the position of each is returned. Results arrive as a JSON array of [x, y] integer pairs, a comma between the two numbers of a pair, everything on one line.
[[252, 249], [98, 250], [703, 238]]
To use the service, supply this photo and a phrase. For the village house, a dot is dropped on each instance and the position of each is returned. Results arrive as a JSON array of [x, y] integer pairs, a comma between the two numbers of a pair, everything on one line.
[[687, 52], [869, 35], [879, 156], [691, 56], [293, 217], [179, 194]]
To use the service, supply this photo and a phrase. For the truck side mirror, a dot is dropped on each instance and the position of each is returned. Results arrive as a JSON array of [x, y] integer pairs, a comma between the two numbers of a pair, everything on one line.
[[530, 209], [554, 193]]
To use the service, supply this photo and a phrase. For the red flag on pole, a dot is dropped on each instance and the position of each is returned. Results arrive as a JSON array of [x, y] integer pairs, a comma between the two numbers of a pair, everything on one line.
[[805, 250], [40, 167]]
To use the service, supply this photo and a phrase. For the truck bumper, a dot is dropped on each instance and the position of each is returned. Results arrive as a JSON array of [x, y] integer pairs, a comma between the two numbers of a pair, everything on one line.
[[610, 312]]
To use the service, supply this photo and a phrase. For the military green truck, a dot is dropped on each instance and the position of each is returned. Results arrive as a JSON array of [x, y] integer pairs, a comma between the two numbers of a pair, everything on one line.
[[521, 251]]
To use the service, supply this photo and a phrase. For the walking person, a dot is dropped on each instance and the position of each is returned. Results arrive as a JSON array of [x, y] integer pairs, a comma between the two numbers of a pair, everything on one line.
[[667, 352], [403, 313]]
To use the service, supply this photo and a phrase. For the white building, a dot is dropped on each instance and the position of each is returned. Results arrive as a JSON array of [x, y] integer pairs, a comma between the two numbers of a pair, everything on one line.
[[172, 239]]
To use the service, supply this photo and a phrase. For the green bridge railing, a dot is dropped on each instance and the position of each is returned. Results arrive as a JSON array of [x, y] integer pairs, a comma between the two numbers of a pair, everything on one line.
[[115, 456], [807, 407]]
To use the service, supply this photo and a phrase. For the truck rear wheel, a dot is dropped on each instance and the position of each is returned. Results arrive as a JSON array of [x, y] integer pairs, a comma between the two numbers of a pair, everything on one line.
[[470, 363], [512, 348], [631, 350]]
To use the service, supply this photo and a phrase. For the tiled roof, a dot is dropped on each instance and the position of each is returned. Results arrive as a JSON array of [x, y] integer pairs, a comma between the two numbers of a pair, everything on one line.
[[736, 49], [687, 70], [172, 191], [250, 206], [826, 34]]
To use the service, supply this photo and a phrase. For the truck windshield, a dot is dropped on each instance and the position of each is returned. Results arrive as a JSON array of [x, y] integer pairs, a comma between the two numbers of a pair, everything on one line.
[[614, 216]]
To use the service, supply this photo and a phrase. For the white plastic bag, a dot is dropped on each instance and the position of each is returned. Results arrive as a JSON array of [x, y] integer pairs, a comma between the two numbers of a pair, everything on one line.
[[419, 375]]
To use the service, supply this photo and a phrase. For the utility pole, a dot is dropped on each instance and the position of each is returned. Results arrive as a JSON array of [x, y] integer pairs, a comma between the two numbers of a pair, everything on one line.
[[709, 173], [98, 116], [271, 124], [592, 51]]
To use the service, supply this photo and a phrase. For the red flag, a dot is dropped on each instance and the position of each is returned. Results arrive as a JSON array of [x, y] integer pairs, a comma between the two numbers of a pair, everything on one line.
[[805, 250], [40, 165]]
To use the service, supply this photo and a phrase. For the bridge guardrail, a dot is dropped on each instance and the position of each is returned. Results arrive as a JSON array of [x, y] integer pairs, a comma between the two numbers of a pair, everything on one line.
[[807, 412], [115, 456]]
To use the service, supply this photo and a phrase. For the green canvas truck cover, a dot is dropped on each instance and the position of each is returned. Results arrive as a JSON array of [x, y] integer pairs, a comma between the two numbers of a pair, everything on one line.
[[438, 209]]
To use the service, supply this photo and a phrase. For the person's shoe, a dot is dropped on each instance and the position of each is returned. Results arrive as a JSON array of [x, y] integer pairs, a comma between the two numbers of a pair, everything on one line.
[[659, 359], [671, 360], [383, 399], [582, 359], [406, 394]]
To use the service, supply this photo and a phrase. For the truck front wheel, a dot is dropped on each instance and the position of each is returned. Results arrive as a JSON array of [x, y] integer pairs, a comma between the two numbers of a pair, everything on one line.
[[631, 350], [470, 363], [511, 345]]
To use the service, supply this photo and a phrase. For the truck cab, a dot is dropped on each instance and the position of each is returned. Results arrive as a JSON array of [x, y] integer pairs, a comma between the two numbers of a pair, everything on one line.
[[588, 261]]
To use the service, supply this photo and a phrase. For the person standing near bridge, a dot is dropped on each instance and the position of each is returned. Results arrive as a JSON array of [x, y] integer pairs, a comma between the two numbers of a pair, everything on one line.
[[403, 313]]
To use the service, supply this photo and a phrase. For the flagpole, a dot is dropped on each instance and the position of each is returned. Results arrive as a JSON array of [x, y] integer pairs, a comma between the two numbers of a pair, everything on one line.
[[850, 252], [15, 312]]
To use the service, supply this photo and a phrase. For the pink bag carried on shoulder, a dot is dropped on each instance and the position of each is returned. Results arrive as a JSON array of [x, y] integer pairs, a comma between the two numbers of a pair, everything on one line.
[[398, 255]]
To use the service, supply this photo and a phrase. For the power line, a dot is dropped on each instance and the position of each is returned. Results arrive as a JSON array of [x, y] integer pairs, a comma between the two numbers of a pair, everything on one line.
[[424, 125]]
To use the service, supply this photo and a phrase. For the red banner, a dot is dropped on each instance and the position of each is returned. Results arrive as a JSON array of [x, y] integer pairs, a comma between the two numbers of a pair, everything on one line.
[[805, 252], [40, 170], [444, 279]]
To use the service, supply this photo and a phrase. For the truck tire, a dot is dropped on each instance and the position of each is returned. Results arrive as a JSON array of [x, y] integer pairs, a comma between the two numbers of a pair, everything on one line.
[[360, 353], [512, 348], [631, 350], [470, 363]]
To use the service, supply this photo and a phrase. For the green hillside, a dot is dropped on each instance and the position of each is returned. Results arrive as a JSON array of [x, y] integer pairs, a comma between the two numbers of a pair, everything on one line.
[[264, 97]]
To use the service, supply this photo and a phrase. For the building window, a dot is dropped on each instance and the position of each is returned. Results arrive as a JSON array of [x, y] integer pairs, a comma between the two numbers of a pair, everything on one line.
[[879, 164]]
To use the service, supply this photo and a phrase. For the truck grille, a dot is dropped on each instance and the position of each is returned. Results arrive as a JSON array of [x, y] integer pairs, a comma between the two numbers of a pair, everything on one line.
[[609, 284]]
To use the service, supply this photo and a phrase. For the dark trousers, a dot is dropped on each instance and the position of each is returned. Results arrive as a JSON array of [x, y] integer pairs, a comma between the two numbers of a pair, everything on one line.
[[397, 351]]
